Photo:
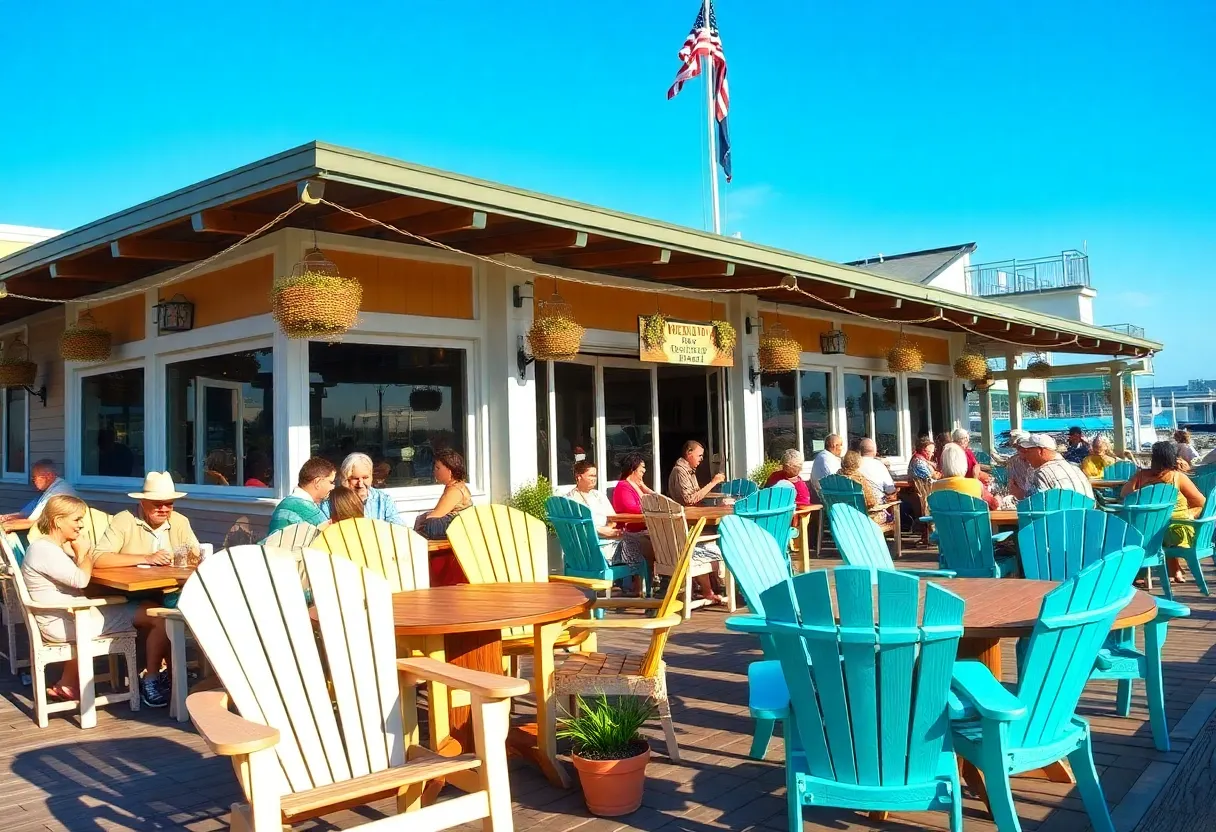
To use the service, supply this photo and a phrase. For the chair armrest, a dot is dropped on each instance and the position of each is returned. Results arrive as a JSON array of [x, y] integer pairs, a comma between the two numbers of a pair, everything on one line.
[[1196, 522], [1167, 609], [1001, 537], [747, 624], [929, 573], [628, 603], [79, 603], [489, 685], [975, 685], [880, 506], [589, 583], [631, 623], [226, 733], [165, 612], [928, 518]]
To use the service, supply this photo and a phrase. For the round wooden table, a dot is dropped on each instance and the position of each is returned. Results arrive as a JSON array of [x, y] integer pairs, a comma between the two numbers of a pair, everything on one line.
[[712, 514], [464, 625]]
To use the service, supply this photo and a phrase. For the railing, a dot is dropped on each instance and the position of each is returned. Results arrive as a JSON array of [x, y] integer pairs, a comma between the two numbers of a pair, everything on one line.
[[1126, 329], [1007, 277]]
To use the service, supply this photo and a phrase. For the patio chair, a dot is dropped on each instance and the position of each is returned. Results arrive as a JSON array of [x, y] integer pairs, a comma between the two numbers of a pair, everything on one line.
[[841, 489], [1148, 511], [326, 725], [1124, 469], [96, 522], [395, 553], [628, 674], [82, 651], [1005, 733], [668, 530], [965, 539], [582, 553], [1204, 477], [1202, 547], [772, 509], [861, 543], [1042, 503], [738, 488], [13, 615], [857, 740], [1055, 548], [923, 488], [292, 538], [983, 457]]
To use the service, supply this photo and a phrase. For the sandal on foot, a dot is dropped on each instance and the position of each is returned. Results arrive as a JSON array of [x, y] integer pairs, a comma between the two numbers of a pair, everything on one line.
[[61, 693]]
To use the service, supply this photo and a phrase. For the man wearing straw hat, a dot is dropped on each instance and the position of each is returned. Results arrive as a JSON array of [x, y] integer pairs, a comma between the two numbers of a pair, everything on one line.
[[150, 535]]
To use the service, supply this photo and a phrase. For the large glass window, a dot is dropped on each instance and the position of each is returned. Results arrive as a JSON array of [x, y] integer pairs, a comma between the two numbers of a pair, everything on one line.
[[627, 418], [112, 424], [780, 403], [396, 404], [16, 408], [856, 407], [219, 420], [816, 392], [918, 408], [574, 390], [872, 409], [939, 406]]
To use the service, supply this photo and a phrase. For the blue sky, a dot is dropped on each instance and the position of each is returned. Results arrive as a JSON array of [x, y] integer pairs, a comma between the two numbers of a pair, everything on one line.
[[857, 128]]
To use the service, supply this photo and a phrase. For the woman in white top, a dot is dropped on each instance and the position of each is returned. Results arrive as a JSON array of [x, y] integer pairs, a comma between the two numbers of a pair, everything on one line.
[[1185, 449], [52, 575], [618, 545]]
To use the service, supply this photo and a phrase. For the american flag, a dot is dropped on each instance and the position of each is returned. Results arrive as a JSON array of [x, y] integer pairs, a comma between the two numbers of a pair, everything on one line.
[[705, 41]]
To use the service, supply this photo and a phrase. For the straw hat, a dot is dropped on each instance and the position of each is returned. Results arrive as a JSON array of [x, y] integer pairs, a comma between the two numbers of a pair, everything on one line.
[[158, 486]]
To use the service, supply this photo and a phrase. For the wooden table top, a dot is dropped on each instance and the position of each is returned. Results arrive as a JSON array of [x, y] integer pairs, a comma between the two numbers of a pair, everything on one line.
[[1009, 607], [434, 546], [137, 578], [1004, 517], [471, 608], [712, 514], [1108, 483]]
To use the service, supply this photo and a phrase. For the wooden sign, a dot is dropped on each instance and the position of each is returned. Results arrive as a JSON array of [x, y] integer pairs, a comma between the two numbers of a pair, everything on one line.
[[684, 342]]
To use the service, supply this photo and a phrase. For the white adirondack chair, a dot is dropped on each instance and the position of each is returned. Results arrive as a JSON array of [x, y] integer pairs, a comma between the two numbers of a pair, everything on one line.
[[82, 651], [668, 530], [327, 726], [11, 608], [293, 537]]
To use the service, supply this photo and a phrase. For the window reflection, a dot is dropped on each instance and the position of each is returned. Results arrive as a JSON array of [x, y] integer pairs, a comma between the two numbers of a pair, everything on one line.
[[627, 414], [779, 402], [112, 424]]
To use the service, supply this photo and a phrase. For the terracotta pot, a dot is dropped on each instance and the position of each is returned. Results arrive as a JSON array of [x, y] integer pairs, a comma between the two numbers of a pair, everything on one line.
[[613, 787]]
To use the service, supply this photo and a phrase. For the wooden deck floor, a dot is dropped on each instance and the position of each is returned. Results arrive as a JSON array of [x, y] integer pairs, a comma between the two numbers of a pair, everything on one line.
[[141, 771]]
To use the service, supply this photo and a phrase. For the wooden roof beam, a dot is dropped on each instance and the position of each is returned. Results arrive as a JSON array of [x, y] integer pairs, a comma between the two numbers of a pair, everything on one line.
[[633, 256], [165, 250], [69, 270], [684, 271], [388, 210], [223, 221], [445, 222], [528, 241]]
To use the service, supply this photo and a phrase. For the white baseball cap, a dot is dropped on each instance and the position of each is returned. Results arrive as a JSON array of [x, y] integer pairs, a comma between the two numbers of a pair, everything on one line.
[[1016, 436], [1037, 440]]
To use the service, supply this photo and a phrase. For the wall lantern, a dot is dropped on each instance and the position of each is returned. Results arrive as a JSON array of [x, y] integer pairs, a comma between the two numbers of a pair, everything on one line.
[[833, 342], [175, 315]]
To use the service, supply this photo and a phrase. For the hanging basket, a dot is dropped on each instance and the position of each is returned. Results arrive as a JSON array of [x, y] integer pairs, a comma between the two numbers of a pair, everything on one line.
[[426, 399], [316, 301], [905, 356], [654, 331], [1038, 367], [1034, 404], [1129, 397], [778, 352], [971, 366], [85, 340], [985, 383], [555, 335], [16, 369], [725, 336]]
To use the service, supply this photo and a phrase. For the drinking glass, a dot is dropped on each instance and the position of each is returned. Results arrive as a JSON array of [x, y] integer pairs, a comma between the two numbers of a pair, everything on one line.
[[181, 556]]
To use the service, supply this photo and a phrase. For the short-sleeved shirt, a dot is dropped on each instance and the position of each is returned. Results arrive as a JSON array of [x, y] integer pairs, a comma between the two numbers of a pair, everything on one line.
[[802, 494], [596, 501], [52, 577], [971, 461], [1076, 453], [132, 535], [378, 506], [1187, 451], [682, 483], [1021, 473], [825, 464], [1060, 473], [33, 509]]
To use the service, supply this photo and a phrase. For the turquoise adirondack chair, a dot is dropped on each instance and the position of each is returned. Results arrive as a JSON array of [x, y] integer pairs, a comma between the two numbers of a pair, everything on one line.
[[965, 538], [1004, 733], [1124, 470], [1148, 510], [1203, 526], [839, 489], [1204, 478], [861, 543], [868, 695], [738, 488], [983, 457], [1057, 547], [582, 555], [758, 562], [1042, 503], [772, 509]]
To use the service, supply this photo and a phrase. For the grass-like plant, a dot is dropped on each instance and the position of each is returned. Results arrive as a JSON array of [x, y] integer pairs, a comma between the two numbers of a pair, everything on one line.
[[607, 730], [530, 499], [760, 474]]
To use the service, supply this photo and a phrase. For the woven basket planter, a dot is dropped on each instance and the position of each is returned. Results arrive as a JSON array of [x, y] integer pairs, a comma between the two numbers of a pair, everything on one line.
[[85, 341], [1128, 399], [1038, 368], [778, 351], [426, 399], [971, 366], [1033, 405], [555, 335], [905, 357], [17, 373], [316, 301], [654, 331], [725, 336]]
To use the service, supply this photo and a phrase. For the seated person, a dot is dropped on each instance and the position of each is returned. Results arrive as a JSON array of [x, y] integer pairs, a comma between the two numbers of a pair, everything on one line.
[[48, 484], [344, 504], [449, 471], [303, 505], [1077, 448], [356, 473], [954, 473], [873, 468], [53, 576], [850, 468], [153, 531], [827, 462], [381, 471], [682, 484], [920, 468], [791, 472], [1099, 458], [258, 470], [619, 546], [1164, 469]]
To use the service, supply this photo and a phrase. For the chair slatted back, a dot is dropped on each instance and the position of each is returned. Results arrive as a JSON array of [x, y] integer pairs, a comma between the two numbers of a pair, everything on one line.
[[581, 552], [96, 522], [870, 703], [1042, 503], [738, 488], [1148, 510], [1203, 533], [292, 538], [772, 509], [247, 613], [668, 530], [757, 561], [964, 534], [1056, 546], [859, 539], [1124, 469], [672, 604], [923, 489], [837, 488], [1073, 623], [8, 547], [1204, 477], [397, 554]]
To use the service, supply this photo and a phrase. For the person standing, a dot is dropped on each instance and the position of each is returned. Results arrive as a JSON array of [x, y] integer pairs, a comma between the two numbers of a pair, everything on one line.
[[303, 505], [682, 483]]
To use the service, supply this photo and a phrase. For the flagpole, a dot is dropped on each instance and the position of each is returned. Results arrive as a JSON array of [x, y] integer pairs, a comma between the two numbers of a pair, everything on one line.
[[707, 71]]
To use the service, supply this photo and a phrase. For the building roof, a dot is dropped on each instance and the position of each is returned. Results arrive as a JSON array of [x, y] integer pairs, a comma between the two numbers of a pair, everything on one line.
[[915, 266], [485, 218]]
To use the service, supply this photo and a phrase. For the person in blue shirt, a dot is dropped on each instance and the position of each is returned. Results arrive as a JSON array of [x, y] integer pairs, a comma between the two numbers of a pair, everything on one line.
[[1078, 448], [48, 483], [356, 473]]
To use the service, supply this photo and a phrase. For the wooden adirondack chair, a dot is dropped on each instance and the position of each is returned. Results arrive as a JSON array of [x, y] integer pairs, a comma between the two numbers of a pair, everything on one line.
[[1203, 525], [14, 617], [1058, 546], [582, 554], [1042, 503], [668, 530], [628, 674], [868, 695], [82, 651], [327, 726], [841, 489], [738, 488], [292, 538], [96, 522], [758, 563], [923, 488], [1148, 511], [965, 538], [772, 509], [395, 553], [1006, 733], [1204, 477], [861, 543]]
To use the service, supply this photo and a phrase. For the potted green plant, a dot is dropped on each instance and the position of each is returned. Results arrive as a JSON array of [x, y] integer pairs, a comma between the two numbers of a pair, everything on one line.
[[530, 499], [760, 474], [609, 752]]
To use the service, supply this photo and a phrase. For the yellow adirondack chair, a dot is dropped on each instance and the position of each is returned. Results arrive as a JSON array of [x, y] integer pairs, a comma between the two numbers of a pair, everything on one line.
[[397, 553], [668, 530], [628, 674], [96, 522]]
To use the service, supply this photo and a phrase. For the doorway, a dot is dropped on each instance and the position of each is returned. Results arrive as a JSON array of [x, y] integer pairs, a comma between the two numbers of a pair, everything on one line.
[[691, 406]]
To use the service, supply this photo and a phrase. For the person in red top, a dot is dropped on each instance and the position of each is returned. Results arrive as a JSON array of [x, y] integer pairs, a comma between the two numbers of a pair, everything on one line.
[[627, 496], [791, 472]]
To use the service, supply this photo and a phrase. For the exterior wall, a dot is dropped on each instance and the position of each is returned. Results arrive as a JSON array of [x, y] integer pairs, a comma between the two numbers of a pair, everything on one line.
[[228, 294], [1075, 304], [954, 277], [13, 238]]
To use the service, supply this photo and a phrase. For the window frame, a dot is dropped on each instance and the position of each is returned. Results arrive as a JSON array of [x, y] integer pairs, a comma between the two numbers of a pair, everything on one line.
[[22, 477], [74, 450]]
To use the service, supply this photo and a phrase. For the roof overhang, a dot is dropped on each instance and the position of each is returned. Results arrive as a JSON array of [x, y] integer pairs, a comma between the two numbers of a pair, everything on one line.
[[489, 219]]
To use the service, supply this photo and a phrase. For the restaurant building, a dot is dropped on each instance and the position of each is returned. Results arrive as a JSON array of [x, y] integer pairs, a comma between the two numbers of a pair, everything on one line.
[[202, 382]]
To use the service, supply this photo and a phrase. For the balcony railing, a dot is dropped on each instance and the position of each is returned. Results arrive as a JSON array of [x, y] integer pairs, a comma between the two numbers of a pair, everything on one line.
[[1068, 269], [1126, 329]]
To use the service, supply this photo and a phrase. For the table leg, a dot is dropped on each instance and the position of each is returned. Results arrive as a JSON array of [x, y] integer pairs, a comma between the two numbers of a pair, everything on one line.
[[475, 651], [539, 742]]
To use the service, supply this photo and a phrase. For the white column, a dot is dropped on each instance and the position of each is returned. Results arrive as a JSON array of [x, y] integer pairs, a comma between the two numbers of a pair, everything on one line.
[[746, 411], [1015, 404], [292, 395], [987, 440], [509, 401], [1135, 413], [1116, 411]]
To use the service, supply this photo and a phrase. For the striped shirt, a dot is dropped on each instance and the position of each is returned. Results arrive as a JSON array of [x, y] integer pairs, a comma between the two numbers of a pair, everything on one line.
[[1058, 473]]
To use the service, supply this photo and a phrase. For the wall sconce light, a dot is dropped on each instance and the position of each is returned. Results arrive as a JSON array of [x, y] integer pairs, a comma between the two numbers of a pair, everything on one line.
[[979, 386], [522, 358], [751, 324], [833, 342], [753, 373], [517, 293], [175, 315]]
